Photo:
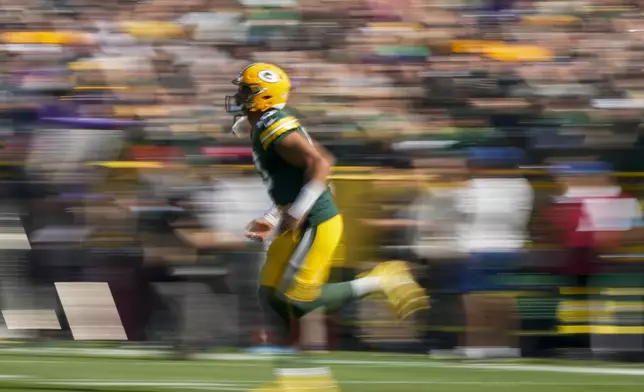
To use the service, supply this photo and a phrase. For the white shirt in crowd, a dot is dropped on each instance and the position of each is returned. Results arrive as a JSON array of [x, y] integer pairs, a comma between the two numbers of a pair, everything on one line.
[[497, 212]]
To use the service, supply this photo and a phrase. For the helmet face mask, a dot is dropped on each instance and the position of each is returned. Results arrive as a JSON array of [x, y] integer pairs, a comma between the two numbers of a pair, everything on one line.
[[239, 103], [233, 106], [237, 106]]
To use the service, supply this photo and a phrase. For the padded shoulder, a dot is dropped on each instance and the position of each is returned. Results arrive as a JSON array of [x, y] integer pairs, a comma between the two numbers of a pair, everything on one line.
[[274, 124]]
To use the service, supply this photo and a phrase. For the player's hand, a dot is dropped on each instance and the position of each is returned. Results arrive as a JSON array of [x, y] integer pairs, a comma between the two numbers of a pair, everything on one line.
[[259, 229], [289, 223]]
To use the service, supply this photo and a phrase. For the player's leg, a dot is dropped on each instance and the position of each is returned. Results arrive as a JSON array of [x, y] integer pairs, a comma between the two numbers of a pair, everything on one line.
[[304, 284], [276, 311], [303, 288], [293, 372], [277, 259], [297, 285], [291, 284]]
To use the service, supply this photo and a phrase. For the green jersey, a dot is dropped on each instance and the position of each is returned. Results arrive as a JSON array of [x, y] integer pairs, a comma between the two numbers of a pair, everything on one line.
[[284, 181]]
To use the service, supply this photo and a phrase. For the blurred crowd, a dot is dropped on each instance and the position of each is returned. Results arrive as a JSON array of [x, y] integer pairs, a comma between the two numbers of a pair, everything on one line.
[[549, 74], [495, 144]]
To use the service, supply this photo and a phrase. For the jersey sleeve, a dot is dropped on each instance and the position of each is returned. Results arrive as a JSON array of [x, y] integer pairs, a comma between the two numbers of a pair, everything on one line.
[[277, 129]]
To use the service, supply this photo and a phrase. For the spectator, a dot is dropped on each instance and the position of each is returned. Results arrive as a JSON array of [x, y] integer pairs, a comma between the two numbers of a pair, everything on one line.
[[498, 207], [436, 211]]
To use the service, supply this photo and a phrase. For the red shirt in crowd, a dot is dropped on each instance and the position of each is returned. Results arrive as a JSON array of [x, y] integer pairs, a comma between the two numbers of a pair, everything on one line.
[[586, 219]]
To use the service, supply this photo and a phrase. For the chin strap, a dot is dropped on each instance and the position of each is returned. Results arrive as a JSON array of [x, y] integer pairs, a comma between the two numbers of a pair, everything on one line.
[[237, 125]]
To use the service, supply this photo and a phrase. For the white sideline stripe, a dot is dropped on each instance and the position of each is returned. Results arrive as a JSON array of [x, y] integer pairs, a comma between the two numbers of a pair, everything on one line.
[[94, 352], [238, 357], [404, 364], [138, 363], [524, 368], [508, 383], [215, 387], [246, 384], [29, 361], [142, 383], [564, 368], [561, 369]]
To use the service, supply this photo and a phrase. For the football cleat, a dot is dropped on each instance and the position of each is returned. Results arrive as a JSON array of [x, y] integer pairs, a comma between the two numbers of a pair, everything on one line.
[[403, 293]]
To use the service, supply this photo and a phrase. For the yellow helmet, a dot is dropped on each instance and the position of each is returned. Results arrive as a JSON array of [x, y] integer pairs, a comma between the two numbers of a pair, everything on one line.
[[262, 86]]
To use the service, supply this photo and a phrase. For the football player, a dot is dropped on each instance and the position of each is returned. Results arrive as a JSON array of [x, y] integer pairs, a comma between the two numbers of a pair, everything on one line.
[[305, 219]]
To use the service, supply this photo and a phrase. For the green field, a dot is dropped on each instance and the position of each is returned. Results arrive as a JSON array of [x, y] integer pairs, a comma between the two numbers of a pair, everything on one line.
[[107, 370]]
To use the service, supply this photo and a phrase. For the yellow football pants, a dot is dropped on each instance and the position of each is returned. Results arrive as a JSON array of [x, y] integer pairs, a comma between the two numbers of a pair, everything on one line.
[[298, 263]]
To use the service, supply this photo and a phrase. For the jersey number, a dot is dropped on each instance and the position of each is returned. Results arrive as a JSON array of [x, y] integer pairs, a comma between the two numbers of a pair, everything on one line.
[[266, 178]]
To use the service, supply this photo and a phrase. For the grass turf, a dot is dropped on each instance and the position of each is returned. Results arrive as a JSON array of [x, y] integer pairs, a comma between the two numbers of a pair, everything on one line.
[[355, 372]]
